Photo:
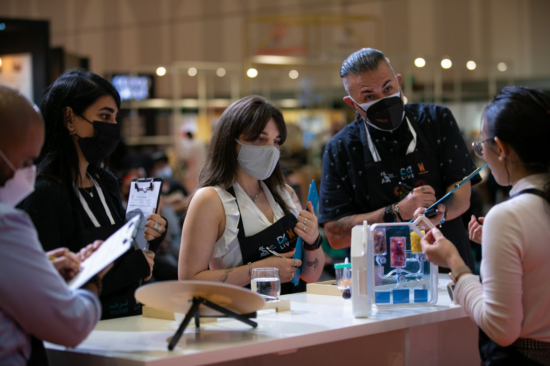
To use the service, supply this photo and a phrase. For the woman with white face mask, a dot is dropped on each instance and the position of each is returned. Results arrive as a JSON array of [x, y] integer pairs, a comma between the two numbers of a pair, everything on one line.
[[242, 207]]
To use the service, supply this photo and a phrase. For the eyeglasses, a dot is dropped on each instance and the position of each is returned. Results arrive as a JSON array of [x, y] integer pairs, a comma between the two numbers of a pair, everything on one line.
[[478, 147]]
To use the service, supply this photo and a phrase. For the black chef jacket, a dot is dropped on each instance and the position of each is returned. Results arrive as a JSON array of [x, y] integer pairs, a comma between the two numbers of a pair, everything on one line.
[[345, 183]]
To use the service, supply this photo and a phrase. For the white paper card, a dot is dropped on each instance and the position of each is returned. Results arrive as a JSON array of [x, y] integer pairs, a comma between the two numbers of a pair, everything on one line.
[[112, 248], [142, 203]]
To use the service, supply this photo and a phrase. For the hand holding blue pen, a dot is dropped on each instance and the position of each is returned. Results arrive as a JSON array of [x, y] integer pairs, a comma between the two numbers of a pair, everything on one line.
[[312, 207]]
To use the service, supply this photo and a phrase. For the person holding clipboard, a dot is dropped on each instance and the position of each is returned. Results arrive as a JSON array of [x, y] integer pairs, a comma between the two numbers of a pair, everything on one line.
[[36, 303], [243, 212], [76, 200]]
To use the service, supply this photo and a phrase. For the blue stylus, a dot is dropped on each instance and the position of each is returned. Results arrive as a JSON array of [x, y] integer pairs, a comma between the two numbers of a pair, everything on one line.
[[457, 186], [312, 196]]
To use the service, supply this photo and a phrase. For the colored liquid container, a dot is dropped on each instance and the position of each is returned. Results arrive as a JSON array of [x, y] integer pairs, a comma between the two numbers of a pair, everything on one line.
[[380, 246], [415, 242], [398, 258], [343, 278]]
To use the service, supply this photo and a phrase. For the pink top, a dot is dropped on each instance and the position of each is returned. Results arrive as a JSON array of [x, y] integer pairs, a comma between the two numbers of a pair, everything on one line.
[[514, 299]]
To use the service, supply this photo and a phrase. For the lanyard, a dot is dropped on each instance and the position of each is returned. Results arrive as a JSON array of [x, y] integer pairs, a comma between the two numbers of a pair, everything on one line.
[[374, 151], [103, 202]]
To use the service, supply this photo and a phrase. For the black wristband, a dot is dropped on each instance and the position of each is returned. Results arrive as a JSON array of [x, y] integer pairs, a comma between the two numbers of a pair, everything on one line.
[[396, 209], [314, 246], [389, 216]]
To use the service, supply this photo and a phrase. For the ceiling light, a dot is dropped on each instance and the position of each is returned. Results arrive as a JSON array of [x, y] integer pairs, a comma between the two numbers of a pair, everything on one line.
[[161, 71], [420, 62], [446, 63], [252, 73]]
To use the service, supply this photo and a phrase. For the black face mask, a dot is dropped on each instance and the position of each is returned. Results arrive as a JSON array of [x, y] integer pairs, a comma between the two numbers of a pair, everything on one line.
[[385, 114], [102, 144]]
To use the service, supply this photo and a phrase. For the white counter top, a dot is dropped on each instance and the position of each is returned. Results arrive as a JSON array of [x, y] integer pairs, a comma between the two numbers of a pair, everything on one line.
[[313, 320]]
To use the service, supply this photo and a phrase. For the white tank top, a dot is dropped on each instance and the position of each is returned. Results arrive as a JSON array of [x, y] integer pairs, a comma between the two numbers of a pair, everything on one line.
[[227, 252]]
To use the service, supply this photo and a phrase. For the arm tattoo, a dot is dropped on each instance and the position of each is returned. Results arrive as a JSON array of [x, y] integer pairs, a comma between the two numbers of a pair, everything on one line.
[[315, 263], [341, 228], [225, 276]]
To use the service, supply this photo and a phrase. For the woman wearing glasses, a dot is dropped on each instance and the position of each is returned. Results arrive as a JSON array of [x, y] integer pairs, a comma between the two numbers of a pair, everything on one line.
[[512, 305], [243, 212], [76, 200]]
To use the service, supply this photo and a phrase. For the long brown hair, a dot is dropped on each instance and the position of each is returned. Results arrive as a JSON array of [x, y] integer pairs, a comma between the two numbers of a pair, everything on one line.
[[248, 117]]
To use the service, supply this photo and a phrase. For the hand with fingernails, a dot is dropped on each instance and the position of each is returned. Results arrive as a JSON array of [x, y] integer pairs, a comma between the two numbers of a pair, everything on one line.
[[150, 257], [435, 220], [420, 197], [87, 251], [475, 229], [67, 263], [287, 266], [440, 251], [154, 227], [307, 226]]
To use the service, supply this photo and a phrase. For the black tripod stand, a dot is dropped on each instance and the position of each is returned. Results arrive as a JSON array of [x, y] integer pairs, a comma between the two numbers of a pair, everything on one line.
[[194, 313]]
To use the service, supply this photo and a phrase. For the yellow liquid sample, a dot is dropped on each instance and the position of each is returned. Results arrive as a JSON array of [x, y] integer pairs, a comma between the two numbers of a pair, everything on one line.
[[415, 242]]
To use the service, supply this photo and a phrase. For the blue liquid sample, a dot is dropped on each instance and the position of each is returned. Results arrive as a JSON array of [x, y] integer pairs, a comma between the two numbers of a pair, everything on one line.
[[401, 296], [381, 297], [420, 295]]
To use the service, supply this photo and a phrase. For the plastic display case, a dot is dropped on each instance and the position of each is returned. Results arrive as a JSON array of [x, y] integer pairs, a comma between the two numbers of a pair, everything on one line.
[[389, 269]]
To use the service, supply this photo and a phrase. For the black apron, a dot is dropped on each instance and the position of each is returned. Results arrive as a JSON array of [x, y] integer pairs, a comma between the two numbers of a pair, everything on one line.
[[280, 237], [490, 352], [38, 357], [122, 302], [418, 168]]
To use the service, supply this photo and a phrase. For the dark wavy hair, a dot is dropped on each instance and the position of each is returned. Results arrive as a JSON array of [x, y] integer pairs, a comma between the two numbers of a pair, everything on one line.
[[520, 116], [78, 89], [248, 117]]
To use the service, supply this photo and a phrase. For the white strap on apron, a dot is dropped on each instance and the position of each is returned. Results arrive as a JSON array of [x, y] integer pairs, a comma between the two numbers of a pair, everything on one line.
[[374, 151], [103, 202]]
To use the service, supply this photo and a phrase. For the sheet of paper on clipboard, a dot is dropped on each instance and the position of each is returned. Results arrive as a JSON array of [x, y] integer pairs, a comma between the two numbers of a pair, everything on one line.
[[112, 248], [143, 201], [312, 196]]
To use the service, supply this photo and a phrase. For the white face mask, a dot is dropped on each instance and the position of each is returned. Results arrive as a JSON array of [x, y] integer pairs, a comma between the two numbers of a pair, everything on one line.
[[258, 161], [19, 186]]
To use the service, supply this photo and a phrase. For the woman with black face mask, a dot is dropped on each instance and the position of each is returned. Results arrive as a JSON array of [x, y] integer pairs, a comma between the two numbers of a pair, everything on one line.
[[76, 200]]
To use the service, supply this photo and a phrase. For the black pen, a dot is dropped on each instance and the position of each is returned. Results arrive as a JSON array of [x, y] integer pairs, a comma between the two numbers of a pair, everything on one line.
[[406, 186]]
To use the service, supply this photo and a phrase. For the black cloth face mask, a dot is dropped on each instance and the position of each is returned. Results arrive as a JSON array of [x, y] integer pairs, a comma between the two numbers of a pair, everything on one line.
[[384, 114], [102, 144]]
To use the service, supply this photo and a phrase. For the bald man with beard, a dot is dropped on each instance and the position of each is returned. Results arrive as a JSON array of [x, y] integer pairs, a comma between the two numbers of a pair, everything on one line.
[[35, 302]]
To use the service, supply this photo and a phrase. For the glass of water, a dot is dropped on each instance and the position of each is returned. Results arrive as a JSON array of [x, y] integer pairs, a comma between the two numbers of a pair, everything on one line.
[[266, 282]]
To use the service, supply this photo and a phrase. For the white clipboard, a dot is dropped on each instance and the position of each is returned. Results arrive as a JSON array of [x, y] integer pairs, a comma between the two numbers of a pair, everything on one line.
[[143, 201], [112, 248]]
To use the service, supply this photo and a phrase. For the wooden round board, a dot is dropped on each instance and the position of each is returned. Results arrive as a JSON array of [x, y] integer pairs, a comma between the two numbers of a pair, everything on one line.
[[175, 296]]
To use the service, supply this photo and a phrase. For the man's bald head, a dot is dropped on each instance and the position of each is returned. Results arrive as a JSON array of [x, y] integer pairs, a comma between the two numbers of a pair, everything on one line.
[[17, 113], [21, 132]]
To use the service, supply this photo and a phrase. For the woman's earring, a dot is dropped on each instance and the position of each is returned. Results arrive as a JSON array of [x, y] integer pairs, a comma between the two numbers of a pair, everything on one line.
[[72, 133]]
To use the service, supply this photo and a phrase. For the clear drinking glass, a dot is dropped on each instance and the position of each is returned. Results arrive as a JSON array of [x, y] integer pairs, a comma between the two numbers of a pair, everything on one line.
[[266, 282]]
